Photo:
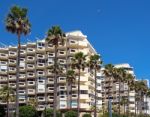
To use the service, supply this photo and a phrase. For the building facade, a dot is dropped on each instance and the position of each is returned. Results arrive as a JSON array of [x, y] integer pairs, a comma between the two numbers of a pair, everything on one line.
[[36, 79]]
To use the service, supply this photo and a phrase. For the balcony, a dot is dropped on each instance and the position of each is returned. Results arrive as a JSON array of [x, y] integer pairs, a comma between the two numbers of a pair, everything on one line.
[[12, 54], [40, 65], [12, 70], [73, 43], [74, 96], [74, 88], [13, 85], [22, 76], [21, 84], [31, 83], [30, 59], [30, 67], [62, 88], [22, 92], [41, 98], [31, 91], [62, 80], [30, 75], [51, 89], [50, 98], [72, 51], [40, 73], [12, 77], [30, 51], [62, 61], [3, 79], [22, 100], [50, 81], [40, 49], [22, 53], [3, 56], [61, 53], [40, 107], [12, 62]]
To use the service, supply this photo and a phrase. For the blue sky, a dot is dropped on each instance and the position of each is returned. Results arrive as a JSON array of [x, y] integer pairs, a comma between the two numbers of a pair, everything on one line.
[[118, 29]]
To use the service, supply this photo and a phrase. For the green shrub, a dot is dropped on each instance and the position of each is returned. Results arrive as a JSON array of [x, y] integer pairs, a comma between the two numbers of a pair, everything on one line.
[[49, 113], [27, 111], [87, 115], [71, 114]]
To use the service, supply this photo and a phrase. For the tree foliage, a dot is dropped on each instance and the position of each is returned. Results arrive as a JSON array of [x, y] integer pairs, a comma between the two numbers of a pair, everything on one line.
[[87, 115], [71, 114], [27, 111], [49, 113]]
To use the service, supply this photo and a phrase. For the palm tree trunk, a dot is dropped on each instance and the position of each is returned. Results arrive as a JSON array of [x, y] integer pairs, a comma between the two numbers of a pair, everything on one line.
[[68, 105], [95, 114], [55, 83], [8, 105], [119, 96], [71, 96], [135, 108], [78, 105], [124, 108], [17, 77], [66, 74]]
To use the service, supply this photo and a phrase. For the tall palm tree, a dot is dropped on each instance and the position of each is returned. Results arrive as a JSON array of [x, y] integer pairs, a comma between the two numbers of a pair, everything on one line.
[[79, 63], [70, 79], [109, 75], [124, 102], [7, 95], [17, 23], [130, 83], [140, 87], [143, 90], [55, 36], [95, 64], [119, 75]]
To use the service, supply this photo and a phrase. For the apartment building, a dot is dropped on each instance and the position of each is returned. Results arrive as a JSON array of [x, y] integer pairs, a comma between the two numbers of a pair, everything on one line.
[[113, 85], [36, 79]]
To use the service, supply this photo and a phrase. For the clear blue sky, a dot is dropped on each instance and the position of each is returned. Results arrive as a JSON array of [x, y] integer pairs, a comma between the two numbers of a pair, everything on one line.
[[118, 29]]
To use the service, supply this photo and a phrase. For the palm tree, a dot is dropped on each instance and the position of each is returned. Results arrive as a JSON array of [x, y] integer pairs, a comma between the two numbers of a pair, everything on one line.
[[124, 102], [70, 79], [109, 75], [130, 82], [139, 87], [54, 36], [17, 23], [79, 63], [143, 90], [7, 95], [94, 64], [119, 75]]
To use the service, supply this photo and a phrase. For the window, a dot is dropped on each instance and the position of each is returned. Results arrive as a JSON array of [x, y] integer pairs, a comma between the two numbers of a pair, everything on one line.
[[61, 52], [84, 91], [41, 44], [73, 50]]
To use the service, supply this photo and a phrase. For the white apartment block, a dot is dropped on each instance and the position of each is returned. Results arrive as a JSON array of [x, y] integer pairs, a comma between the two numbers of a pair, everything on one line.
[[114, 90], [36, 79]]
